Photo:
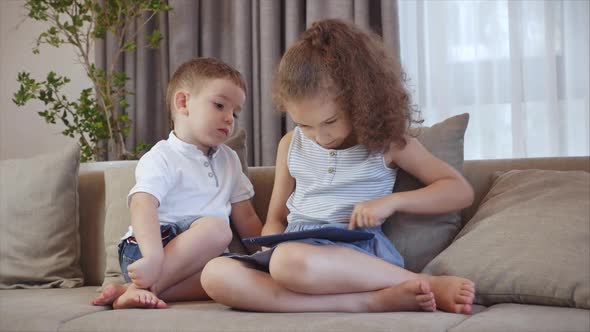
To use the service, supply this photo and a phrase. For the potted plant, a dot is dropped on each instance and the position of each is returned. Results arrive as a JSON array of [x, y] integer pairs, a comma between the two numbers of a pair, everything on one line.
[[97, 118]]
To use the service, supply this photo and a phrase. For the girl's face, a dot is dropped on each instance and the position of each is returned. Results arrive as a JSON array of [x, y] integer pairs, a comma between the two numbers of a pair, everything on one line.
[[322, 121]]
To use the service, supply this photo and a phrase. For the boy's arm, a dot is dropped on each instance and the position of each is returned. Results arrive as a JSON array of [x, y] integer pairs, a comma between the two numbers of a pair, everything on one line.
[[146, 229], [246, 221], [284, 184]]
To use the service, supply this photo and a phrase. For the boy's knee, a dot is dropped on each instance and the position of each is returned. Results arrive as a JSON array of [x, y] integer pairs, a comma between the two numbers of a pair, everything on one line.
[[219, 229]]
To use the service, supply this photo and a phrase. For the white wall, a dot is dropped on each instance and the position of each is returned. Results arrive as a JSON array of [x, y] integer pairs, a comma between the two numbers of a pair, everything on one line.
[[23, 133]]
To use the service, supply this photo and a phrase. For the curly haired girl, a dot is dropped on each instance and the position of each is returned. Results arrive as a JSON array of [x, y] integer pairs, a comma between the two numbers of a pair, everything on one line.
[[336, 169]]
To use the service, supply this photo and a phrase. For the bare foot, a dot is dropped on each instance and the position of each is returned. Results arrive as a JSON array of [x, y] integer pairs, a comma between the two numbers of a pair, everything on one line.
[[109, 294], [453, 294], [138, 298], [412, 295]]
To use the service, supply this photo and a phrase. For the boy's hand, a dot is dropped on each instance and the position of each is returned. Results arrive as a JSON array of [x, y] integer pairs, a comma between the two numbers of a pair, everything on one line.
[[144, 272], [371, 213]]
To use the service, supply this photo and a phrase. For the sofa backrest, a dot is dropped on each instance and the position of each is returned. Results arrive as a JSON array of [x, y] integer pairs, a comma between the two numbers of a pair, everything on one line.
[[479, 173], [92, 198]]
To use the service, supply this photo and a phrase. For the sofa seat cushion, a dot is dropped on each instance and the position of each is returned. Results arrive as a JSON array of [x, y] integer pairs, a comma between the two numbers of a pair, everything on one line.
[[44, 310], [529, 241], [211, 317], [512, 317]]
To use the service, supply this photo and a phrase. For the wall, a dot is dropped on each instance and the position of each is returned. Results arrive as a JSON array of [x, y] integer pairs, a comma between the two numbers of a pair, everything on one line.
[[23, 133]]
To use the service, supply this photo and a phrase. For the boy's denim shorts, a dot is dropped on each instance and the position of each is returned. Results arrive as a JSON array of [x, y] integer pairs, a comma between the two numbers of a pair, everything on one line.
[[129, 249]]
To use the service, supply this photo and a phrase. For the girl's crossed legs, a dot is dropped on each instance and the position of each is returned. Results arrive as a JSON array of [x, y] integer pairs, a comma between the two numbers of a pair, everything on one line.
[[306, 277]]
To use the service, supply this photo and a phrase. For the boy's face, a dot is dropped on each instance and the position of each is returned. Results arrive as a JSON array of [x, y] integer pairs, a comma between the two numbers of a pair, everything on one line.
[[206, 119], [322, 121]]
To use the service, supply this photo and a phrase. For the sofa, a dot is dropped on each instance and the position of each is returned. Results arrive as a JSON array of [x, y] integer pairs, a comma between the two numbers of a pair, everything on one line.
[[528, 278], [59, 309]]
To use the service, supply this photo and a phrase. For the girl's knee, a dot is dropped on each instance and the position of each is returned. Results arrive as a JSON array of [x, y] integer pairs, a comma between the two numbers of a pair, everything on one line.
[[215, 275], [290, 263]]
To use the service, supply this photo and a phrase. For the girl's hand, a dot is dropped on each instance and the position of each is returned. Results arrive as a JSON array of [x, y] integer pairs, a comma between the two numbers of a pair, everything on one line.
[[371, 213], [144, 272]]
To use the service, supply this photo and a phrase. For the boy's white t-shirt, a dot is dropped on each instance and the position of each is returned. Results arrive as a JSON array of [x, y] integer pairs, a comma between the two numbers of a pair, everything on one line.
[[189, 184]]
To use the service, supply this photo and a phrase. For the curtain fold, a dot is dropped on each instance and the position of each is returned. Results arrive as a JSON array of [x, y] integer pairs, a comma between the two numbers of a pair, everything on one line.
[[251, 35], [520, 68]]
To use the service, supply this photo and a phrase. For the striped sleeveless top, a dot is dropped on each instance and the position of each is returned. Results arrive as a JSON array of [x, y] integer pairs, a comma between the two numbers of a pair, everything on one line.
[[329, 183]]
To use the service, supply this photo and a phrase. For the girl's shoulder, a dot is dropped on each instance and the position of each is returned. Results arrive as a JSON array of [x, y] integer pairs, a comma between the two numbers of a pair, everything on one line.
[[395, 152], [287, 138], [284, 145]]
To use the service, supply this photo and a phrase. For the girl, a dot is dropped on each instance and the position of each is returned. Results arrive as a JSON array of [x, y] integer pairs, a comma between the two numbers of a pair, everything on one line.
[[337, 169]]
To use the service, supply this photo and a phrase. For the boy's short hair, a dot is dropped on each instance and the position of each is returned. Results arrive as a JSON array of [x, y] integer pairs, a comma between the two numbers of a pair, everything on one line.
[[191, 74]]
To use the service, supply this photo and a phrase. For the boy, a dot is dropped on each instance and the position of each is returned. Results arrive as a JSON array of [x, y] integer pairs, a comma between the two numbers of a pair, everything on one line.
[[186, 189]]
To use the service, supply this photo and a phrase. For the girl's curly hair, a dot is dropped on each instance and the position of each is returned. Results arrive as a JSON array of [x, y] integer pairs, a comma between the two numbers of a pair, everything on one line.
[[337, 58]]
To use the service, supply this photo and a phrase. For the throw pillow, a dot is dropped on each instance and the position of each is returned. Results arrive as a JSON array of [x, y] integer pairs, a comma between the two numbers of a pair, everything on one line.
[[40, 242], [118, 183], [419, 238], [238, 143], [529, 241]]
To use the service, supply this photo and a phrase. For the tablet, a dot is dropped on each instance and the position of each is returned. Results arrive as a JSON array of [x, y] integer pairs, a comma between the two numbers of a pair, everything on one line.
[[327, 233]]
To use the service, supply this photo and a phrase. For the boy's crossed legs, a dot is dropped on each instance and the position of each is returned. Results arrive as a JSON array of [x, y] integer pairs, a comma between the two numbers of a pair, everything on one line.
[[305, 277], [184, 258]]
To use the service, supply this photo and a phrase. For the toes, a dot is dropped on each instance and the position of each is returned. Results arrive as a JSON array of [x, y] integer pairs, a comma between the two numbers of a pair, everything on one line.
[[161, 304], [425, 297], [464, 298], [154, 302], [428, 305], [424, 287], [468, 286], [466, 309], [468, 296]]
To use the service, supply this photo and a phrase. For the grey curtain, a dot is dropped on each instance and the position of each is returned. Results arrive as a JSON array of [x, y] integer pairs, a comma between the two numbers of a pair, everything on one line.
[[248, 34]]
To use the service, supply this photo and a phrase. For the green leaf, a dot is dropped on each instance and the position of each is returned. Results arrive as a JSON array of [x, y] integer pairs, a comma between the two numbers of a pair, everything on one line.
[[155, 38], [130, 46]]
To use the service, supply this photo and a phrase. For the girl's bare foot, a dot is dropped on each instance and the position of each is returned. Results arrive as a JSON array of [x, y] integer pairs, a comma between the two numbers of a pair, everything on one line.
[[109, 294], [412, 295], [135, 297], [452, 294]]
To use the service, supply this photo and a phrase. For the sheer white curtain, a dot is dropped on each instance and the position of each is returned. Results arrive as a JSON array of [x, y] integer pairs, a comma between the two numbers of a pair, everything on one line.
[[520, 68]]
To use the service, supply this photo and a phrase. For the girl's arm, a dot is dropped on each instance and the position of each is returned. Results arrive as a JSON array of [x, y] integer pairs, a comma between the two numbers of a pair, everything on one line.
[[446, 190], [284, 184], [146, 229], [246, 221]]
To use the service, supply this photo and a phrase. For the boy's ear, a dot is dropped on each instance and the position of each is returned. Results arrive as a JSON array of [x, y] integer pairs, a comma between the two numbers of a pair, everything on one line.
[[181, 102]]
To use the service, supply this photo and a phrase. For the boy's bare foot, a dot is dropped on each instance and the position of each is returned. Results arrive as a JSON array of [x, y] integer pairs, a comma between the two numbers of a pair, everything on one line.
[[109, 294], [453, 294], [412, 295], [134, 297]]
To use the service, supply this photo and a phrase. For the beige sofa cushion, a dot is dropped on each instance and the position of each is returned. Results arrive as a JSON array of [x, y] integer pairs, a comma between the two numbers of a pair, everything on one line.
[[526, 318], [529, 242], [238, 143], [39, 241], [419, 238], [201, 316], [118, 183]]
